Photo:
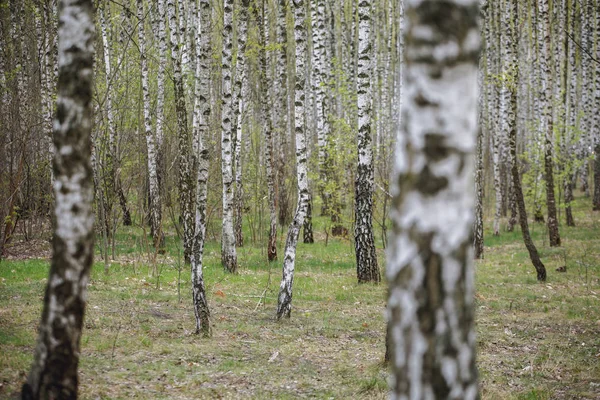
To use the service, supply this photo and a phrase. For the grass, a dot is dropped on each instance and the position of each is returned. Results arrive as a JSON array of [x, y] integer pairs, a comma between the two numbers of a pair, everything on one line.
[[535, 341]]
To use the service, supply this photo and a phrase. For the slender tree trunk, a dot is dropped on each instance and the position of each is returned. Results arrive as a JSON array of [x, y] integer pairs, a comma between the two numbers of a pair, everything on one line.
[[155, 204], [430, 259], [240, 96], [307, 231], [183, 137], [512, 132], [320, 81], [54, 370], [284, 303], [160, 93], [572, 118], [228, 251], [479, 171], [200, 126], [586, 9], [364, 242], [267, 104], [284, 109], [596, 132], [547, 127]]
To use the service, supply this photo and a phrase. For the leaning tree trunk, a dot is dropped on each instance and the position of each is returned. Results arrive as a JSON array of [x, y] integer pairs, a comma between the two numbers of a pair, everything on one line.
[[430, 259], [155, 205], [512, 138], [284, 301], [200, 126], [183, 136], [364, 242], [53, 374], [546, 100], [228, 251]]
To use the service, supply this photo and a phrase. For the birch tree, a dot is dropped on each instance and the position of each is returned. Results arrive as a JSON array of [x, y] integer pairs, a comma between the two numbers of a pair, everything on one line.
[[284, 301], [155, 204], [200, 130], [547, 125], [228, 251], [183, 137], [268, 117], [364, 242], [160, 93], [596, 132], [54, 370], [430, 266], [511, 42], [240, 97]]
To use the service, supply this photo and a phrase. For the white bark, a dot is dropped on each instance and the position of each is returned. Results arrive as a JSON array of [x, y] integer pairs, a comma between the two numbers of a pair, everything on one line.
[[320, 80], [284, 303], [54, 370], [162, 64], [430, 267], [155, 204], [228, 250], [364, 242], [240, 93], [200, 127], [547, 124], [185, 177]]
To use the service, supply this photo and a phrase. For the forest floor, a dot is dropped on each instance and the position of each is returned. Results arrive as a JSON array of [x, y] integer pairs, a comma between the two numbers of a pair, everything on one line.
[[535, 341]]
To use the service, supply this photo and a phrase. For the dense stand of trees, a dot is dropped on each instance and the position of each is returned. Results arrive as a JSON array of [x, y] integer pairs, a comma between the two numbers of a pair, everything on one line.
[[300, 103]]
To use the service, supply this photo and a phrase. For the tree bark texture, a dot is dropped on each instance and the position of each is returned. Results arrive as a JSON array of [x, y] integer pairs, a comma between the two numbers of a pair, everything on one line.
[[155, 204], [547, 125], [512, 132], [284, 301], [54, 370], [364, 241], [200, 126], [183, 137], [430, 258], [228, 250]]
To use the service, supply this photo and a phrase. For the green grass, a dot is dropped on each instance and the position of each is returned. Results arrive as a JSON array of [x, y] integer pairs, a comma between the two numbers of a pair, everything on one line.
[[535, 341]]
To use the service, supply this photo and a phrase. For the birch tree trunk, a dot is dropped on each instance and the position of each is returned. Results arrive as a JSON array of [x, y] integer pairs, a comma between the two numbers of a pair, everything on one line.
[[183, 137], [228, 251], [266, 103], [430, 258], [547, 126], [54, 370], [284, 301], [160, 94], [113, 180], [479, 169], [320, 80], [596, 131], [283, 109], [364, 242], [200, 126], [155, 204], [586, 9], [512, 10], [240, 96]]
